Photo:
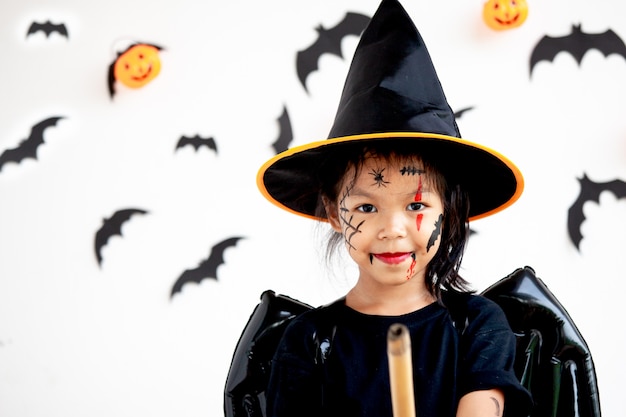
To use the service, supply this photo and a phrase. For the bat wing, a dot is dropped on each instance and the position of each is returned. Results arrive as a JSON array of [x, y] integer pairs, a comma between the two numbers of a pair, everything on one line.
[[459, 113], [608, 43], [589, 191], [191, 275], [28, 147], [547, 48], [197, 141], [207, 268], [328, 41], [47, 28], [248, 376], [553, 360], [111, 227], [286, 133]]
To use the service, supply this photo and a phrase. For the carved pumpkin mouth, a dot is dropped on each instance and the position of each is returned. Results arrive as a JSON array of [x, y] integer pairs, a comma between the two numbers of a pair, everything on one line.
[[508, 22], [143, 76]]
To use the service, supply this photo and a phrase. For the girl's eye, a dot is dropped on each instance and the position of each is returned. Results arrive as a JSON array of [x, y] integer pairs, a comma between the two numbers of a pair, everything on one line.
[[415, 206], [366, 208]]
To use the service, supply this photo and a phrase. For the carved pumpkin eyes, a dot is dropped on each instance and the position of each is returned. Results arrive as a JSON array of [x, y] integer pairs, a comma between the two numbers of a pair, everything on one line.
[[505, 14]]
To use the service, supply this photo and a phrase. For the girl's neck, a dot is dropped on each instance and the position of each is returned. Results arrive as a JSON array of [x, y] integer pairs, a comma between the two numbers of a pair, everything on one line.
[[388, 301]]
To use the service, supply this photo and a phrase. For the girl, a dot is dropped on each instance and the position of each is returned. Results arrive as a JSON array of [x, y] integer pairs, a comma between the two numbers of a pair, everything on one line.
[[398, 187]]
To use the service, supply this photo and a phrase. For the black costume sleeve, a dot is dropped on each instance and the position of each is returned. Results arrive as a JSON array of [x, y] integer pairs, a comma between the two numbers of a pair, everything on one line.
[[488, 356], [294, 387]]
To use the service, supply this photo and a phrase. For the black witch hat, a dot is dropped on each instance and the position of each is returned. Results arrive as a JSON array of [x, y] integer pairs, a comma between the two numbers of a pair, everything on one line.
[[392, 93]]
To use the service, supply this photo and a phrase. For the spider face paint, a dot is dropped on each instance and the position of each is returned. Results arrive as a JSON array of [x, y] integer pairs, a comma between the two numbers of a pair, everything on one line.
[[379, 179]]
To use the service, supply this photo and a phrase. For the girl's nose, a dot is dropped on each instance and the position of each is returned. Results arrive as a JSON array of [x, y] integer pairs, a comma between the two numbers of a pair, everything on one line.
[[393, 226]]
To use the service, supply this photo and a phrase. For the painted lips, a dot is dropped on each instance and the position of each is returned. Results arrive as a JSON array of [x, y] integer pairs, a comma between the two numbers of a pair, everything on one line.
[[392, 258]]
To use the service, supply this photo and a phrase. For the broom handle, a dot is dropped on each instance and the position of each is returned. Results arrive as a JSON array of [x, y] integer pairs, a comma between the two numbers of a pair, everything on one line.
[[400, 371]]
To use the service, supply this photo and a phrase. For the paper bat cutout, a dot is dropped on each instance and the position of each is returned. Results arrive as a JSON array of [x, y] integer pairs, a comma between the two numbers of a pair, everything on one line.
[[28, 147], [286, 133], [459, 113], [196, 141], [589, 191], [207, 268], [553, 360], [578, 43], [328, 41], [111, 227], [47, 28]]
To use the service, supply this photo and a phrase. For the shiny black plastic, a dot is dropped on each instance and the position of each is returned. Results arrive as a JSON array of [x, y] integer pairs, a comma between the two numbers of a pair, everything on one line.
[[553, 360]]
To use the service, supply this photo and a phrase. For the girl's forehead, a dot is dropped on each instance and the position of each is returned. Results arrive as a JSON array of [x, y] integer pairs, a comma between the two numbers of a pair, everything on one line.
[[380, 170], [402, 166]]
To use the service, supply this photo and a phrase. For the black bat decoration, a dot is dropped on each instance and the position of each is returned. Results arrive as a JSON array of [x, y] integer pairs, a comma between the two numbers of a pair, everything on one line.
[[197, 141], [589, 191], [578, 43], [328, 41], [47, 28], [459, 113], [207, 268], [286, 133], [28, 147], [111, 227]]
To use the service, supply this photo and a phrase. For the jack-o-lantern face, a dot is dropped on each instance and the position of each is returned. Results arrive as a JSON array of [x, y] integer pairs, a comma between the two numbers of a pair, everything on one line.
[[505, 14], [138, 65]]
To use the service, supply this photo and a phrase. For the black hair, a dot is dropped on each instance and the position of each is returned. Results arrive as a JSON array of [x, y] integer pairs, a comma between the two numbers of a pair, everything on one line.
[[443, 271]]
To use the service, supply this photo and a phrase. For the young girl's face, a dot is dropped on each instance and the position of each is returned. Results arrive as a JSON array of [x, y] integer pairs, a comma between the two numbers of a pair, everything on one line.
[[390, 216]]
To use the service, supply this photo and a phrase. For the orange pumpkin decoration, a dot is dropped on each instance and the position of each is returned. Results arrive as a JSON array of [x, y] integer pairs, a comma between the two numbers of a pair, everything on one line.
[[138, 65], [505, 14]]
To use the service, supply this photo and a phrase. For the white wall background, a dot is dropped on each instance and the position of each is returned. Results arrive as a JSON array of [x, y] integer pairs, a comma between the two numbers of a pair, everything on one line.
[[81, 339]]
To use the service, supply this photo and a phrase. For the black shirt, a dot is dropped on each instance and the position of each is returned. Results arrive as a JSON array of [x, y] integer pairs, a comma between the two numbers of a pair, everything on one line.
[[353, 380]]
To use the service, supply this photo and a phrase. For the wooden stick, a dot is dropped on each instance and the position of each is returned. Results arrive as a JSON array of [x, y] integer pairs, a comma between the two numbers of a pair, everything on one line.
[[400, 371]]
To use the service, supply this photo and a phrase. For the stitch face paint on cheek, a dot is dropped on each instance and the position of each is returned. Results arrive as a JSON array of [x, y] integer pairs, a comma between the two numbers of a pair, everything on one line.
[[435, 234]]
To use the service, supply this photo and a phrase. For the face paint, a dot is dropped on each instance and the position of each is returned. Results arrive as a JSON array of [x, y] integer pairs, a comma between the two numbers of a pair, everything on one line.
[[347, 222], [411, 269], [412, 170], [418, 197], [435, 234], [379, 179]]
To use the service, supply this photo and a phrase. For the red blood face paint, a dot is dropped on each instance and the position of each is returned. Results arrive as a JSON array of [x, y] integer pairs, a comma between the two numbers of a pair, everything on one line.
[[418, 194], [418, 197], [411, 270]]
